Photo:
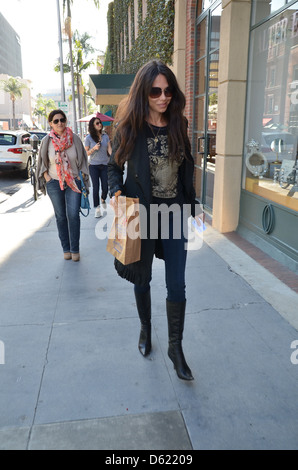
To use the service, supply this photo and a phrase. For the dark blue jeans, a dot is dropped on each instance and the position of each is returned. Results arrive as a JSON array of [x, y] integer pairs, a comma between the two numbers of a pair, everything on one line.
[[66, 205], [99, 173], [175, 256]]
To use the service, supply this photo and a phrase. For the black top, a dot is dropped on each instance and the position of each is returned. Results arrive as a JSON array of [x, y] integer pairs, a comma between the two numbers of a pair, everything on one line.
[[166, 185]]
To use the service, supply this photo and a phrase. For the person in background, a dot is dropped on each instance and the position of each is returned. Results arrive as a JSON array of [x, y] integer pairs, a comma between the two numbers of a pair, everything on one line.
[[151, 141], [99, 149], [61, 158]]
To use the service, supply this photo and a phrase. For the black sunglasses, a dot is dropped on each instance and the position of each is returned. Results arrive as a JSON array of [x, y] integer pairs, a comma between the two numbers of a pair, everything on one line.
[[156, 92], [59, 120], [97, 123]]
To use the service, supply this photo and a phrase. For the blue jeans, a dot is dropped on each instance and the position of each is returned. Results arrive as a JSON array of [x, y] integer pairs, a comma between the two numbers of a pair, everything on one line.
[[66, 205], [175, 256], [99, 173]]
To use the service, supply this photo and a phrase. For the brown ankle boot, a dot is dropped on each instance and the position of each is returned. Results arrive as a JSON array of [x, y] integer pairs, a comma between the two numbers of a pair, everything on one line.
[[75, 257]]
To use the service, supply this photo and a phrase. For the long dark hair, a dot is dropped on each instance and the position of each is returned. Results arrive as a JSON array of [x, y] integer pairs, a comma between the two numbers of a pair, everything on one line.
[[92, 130], [135, 111]]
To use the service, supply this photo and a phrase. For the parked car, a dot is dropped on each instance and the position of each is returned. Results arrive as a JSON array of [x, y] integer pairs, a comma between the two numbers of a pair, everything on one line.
[[15, 151], [39, 134]]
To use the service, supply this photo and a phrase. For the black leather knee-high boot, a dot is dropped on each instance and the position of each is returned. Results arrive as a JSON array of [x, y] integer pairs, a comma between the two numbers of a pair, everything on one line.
[[176, 317], [143, 301]]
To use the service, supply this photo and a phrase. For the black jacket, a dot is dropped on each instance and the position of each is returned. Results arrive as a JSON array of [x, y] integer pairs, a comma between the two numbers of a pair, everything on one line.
[[138, 184]]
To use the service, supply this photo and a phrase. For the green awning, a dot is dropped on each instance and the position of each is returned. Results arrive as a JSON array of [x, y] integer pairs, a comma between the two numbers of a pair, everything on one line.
[[110, 89]]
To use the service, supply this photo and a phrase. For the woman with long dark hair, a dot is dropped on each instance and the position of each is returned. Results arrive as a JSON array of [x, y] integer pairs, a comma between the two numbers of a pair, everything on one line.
[[99, 149], [151, 138]]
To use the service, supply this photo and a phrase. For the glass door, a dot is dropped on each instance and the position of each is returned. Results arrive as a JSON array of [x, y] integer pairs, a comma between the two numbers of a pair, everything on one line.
[[206, 102]]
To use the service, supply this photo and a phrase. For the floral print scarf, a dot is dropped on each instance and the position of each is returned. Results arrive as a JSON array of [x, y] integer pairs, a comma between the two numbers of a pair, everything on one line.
[[64, 171]]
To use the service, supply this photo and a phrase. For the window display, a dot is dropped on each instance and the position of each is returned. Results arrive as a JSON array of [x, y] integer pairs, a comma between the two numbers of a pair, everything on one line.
[[271, 136]]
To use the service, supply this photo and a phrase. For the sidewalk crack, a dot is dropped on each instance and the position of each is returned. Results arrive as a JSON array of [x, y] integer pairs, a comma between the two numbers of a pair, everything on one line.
[[45, 363]]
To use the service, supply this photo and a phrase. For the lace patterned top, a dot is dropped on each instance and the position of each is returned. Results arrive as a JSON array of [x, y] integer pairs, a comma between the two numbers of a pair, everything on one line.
[[164, 173]]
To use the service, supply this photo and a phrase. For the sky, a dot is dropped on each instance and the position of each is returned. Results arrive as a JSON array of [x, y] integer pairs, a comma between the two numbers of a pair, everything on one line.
[[36, 22]]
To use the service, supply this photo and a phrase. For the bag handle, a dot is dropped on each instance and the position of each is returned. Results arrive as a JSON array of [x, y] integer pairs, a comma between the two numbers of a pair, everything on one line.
[[85, 194]]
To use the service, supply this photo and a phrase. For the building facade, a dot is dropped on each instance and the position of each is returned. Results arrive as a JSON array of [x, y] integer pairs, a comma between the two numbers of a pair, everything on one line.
[[10, 50], [237, 62], [241, 85], [11, 66]]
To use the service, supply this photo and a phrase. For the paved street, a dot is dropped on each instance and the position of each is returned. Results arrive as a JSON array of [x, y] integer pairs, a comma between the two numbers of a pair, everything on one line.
[[72, 376], [10, 183]]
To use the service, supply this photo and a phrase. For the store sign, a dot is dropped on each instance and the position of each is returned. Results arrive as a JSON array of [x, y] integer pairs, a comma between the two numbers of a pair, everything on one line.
[[295, 25], [279, 32], [63, 105]]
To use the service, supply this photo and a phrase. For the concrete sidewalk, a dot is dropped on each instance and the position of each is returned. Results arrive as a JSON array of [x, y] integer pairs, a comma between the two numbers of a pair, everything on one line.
[[73, 377]]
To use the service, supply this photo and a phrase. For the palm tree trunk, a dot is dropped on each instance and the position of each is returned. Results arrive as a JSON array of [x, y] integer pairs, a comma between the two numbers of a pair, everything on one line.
[[79, 102], [72, 71], [61, 53], [13, 113], [73, 87]]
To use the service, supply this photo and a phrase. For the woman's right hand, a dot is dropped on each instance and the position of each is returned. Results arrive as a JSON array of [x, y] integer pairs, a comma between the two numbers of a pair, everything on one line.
[[47, 177], [114, 202]]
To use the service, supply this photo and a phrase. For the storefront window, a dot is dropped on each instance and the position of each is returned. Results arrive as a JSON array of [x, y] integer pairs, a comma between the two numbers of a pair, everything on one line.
[[207, 4], [206, 101], [264, 8], [271, 169]]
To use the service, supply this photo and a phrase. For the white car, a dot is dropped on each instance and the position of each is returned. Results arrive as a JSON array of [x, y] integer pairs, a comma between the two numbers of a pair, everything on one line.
[[15, 151]]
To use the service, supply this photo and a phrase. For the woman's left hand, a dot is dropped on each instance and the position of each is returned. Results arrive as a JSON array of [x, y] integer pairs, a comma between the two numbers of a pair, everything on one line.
[[200, 220]]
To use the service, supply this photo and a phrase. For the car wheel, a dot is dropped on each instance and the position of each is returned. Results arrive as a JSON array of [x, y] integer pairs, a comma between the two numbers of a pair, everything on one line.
[[26, 173]]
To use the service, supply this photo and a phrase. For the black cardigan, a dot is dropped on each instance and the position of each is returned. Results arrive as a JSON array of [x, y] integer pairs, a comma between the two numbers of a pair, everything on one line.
[[138, 184]]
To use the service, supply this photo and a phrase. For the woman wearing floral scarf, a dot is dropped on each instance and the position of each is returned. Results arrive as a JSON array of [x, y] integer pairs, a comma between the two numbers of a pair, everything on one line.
[[61, 158]]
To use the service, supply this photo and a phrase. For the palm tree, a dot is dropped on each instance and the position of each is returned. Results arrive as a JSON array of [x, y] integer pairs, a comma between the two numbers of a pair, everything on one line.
[[81, 48], [14, 87], [68, 4], [43, 107]]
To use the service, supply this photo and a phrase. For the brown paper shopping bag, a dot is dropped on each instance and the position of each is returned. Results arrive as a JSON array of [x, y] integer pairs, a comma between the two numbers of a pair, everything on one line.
[[124, 240]]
